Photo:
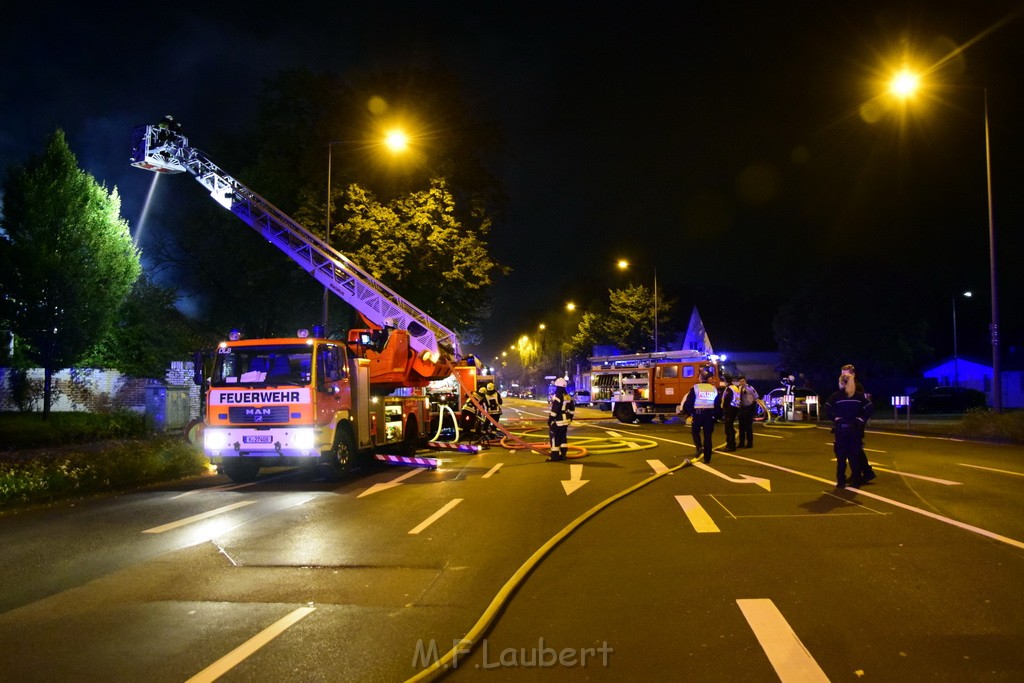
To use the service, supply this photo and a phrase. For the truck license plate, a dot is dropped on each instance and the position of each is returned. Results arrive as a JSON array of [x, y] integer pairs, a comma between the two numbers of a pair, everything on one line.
[[257, 438]]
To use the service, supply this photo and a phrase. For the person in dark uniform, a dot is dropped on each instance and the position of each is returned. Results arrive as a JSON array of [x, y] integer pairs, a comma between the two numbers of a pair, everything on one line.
[[730, 411], [469, 417], [849, 411], [702, 404], [868, 474], [560, 414], [748, 406]]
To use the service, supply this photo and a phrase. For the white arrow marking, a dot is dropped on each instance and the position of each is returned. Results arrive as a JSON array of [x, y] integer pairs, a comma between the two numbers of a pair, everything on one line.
[[377, 488], [766, 484], [698, 516], [575, 480], [658, 466], [492, 470]]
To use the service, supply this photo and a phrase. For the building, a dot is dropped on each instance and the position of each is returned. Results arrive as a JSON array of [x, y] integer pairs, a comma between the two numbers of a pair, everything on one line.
[[972, 373]]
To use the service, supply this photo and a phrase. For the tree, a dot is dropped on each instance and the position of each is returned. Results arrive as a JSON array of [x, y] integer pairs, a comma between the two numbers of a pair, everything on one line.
[[150, 331], [67, 258], [628, 323]]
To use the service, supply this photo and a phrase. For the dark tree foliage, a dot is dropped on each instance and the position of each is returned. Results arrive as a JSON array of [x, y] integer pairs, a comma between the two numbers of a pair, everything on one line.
[[67, 259]]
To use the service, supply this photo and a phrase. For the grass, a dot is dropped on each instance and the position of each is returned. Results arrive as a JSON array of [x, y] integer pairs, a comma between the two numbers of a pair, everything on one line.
[[980, 424], [74, 454]]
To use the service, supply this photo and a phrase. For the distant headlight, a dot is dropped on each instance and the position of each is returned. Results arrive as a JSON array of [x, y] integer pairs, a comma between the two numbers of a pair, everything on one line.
[[214, 440], [304, 438]]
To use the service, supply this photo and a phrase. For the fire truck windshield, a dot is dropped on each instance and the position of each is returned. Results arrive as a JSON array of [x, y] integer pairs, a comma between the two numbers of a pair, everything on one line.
[[263, 365]]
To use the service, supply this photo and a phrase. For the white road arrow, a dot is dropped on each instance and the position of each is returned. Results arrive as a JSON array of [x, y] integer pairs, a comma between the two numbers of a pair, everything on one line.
[[766, 484], [575, 480], [377, 488]]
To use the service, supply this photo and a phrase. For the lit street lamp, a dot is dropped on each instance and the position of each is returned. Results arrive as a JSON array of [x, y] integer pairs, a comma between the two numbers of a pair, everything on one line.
[[623, 265], [956, 356], [396, 141], [904, 84]]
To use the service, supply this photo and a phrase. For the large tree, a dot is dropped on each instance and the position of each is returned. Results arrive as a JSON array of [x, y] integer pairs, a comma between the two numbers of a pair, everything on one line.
[[67, 258], [627, 324]]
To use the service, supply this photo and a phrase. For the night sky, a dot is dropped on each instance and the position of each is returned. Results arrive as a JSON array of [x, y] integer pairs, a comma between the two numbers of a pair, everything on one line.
[[740, 152]]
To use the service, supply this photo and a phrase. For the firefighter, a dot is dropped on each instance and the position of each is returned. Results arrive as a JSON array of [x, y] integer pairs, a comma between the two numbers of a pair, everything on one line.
[[730, 410], [469, 416], [702, 403], [560, 416], [492, 402]]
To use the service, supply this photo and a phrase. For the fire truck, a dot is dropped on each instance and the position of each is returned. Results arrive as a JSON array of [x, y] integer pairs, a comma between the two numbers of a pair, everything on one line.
[[307, 399], [644, 386]]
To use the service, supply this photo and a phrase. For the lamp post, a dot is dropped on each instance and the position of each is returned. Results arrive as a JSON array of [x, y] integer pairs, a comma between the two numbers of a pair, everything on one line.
[[956, 356], [396, 141], [624, 265], [904, 84]]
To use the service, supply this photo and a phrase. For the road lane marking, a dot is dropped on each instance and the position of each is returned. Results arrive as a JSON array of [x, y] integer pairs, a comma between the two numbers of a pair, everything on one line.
[[766, 484], [243, 651], [197, 518], [658, 466], [991, 469], [492, 470], [900, 473], [384, 486], [910, 508], [436, 516], [575, 480], [698, 516], [788, 656]]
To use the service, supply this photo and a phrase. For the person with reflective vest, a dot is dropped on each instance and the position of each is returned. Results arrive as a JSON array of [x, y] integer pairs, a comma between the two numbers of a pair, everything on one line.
[[730, 410], [560, 414], [702, 404], [748, 406], [469, 416], [492, 401]]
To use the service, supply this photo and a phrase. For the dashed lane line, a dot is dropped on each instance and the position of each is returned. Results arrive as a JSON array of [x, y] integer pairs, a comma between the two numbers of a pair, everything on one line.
[[197, 518]]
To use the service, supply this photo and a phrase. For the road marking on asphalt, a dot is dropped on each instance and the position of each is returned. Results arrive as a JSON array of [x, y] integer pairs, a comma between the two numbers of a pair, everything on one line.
[[243, 651], [575, 480], [698, 516], [658, 466], [197, 518], [492, 470], [788, 656], [991, 469], [910, 508], [766, 484], [436, 516], [934, 480], [384, 486]]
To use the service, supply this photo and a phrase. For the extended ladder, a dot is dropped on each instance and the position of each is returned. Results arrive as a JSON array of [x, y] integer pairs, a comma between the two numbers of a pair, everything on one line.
[[163, 150]]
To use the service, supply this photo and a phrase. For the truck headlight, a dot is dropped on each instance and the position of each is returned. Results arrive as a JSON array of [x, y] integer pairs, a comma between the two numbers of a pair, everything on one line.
[[214, 440], [304, 439]]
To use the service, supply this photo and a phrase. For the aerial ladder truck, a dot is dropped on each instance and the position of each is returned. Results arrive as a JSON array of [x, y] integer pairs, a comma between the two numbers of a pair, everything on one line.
[[307, 399]]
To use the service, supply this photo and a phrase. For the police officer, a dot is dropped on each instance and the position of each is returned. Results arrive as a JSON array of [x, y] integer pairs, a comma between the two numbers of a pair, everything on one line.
[[849, 411], [748, 405], [730, 410], [701, 404], [560, 414], [868, 474]]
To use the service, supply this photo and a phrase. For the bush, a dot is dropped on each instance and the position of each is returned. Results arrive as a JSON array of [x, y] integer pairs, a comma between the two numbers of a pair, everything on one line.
[[30, 430], [99, 467], [982, 423]]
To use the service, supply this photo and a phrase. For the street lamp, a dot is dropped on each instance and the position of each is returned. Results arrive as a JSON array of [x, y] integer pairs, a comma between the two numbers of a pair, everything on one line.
[[624, 265], [956, 356], [397, 142], [904, 84]]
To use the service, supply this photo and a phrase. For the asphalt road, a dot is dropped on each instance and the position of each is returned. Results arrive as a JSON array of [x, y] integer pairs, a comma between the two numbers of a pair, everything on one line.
[[613, 566]]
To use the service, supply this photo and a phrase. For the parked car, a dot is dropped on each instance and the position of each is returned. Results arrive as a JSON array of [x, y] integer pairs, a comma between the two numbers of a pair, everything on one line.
[[946, 400], [582, 398]]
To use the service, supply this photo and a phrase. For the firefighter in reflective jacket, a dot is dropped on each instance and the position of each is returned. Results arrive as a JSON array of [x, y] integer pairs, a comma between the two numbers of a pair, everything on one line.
[[492, 401], [470, 416], [702, 404], [560, 415]]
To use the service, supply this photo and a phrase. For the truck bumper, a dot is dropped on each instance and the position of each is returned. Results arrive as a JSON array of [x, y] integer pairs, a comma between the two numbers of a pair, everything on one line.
[[289, 442]]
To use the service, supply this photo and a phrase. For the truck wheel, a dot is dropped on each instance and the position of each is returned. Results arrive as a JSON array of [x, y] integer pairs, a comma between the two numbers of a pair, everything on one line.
[[623, 412], [241, 469], [338, 462], [410, 439]]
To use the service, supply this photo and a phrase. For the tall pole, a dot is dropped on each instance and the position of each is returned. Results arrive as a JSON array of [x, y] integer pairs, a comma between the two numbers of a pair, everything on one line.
[[956, 357], [327, 241], [655, 309], [997, 377]]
